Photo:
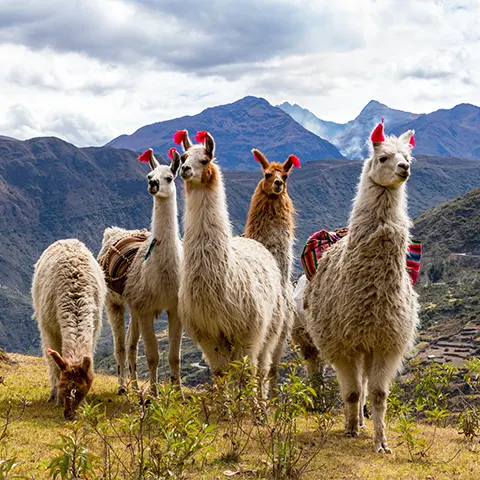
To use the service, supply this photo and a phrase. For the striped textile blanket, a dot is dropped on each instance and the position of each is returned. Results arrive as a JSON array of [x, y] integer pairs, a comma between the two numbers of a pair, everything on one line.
[[118, 258], [318, 242]]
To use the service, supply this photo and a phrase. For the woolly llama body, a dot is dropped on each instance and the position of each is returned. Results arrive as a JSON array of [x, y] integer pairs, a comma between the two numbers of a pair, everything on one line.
[[270, 221], [68, 292], [231, 296], [152, 283], [361, 309]]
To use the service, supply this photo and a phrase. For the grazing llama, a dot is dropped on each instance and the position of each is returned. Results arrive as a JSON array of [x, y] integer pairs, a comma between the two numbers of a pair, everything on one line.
[[152, 282], [361, 309], [270, 221], [231, 296], [68, 292]]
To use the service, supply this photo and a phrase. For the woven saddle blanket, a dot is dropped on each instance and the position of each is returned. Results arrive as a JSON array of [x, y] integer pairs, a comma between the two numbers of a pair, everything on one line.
[[117, 259], [318, 242]]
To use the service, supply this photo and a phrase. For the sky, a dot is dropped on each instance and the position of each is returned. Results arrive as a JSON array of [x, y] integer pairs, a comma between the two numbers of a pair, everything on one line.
[[89, 70]]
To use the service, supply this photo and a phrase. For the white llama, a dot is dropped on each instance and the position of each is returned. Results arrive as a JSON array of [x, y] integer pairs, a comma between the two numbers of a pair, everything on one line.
[[361, 309], [231, 296], [152, 282], [68, 292]]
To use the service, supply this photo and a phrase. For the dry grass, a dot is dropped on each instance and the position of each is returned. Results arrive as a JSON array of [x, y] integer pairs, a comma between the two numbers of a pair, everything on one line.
[[29, 439]]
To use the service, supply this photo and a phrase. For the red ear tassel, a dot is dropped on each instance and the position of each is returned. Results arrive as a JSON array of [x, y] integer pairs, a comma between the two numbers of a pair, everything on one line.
[[377, 135], [49, 351], [170, 152], [145, 156], [295, 160], [179, 136], [201, 136], [412, 141]]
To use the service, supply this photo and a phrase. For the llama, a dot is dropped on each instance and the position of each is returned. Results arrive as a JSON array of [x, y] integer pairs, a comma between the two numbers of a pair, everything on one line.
[[361, 309], [314, 362], [270, 221], [68, 292], [231, 296], [152, 283]]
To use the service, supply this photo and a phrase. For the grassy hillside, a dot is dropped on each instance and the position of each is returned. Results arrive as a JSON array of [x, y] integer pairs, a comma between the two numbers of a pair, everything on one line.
[[31, 436]]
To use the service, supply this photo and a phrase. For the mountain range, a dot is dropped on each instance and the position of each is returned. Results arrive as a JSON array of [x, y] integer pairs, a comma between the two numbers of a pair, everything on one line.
[[448, 133], [237, 127], [50, 189]]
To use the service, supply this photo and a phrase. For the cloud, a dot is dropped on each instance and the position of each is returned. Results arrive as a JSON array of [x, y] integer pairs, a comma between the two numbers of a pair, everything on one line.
[[192, 37], [88, 71]]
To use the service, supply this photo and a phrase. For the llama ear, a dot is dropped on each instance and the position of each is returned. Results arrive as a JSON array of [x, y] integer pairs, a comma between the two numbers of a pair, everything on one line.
[[147, 156], [408, 137], [210, 146], [175, 156], [86, 364], [260, 158], [377, 135], [291, 161], [57, 358], [181, 137]]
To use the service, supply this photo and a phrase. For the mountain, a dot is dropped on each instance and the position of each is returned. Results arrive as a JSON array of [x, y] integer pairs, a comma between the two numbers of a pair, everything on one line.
[[447, 133], [452, 227], [237, 127]]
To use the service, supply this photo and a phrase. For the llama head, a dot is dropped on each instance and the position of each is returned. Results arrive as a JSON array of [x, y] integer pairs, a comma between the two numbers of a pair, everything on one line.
[[275, 174], [389, 164], [197, 161], [161, 178], [74, 382]]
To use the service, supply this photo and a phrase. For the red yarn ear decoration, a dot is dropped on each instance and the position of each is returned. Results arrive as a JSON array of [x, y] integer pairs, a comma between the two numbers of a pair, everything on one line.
[[170, 152], [49, 351], [412, 141], [145, 156], [295, 161], [179, 137], [377, 135], [201, 136], [255, 157]]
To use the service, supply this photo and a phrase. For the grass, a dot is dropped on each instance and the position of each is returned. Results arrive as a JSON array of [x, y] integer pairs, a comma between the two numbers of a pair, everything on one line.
[[30, 438]]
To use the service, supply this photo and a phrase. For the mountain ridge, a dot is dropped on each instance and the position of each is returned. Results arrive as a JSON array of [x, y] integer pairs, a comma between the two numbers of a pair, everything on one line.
[[237, 127]]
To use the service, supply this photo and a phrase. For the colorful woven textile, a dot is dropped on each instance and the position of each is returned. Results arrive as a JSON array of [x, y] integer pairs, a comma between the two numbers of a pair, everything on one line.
[[318, 242], [414, 255], [118, 258]]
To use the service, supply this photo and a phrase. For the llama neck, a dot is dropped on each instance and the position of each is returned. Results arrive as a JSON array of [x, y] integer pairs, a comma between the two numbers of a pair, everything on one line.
[[164, 218], [379, 209], [78, 337], [208, 232], [270, 222]]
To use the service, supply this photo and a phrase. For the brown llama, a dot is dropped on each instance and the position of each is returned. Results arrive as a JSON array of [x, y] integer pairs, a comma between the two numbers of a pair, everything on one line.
[[270, 221]]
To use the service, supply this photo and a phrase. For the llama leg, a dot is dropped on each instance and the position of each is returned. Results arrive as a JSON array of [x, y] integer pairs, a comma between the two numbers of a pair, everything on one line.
[[116, 318], [133, 334], [49, 340], [276, 357], [367, 363], [150, 343], [174, 345], [350, 379], [381, 374]]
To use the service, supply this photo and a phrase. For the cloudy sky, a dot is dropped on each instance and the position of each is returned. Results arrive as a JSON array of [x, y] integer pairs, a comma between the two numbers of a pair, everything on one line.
[[89, 70]]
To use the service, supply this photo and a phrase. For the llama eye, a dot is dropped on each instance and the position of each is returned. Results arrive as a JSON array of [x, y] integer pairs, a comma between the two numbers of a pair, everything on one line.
[[204, 162], [268, 175], [169, 179], [284, 178], [383, 159]]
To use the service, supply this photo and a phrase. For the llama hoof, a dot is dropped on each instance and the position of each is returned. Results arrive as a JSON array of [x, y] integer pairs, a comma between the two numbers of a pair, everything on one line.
[[351, 433], [382, 448], [52, 398], [122, 391]]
